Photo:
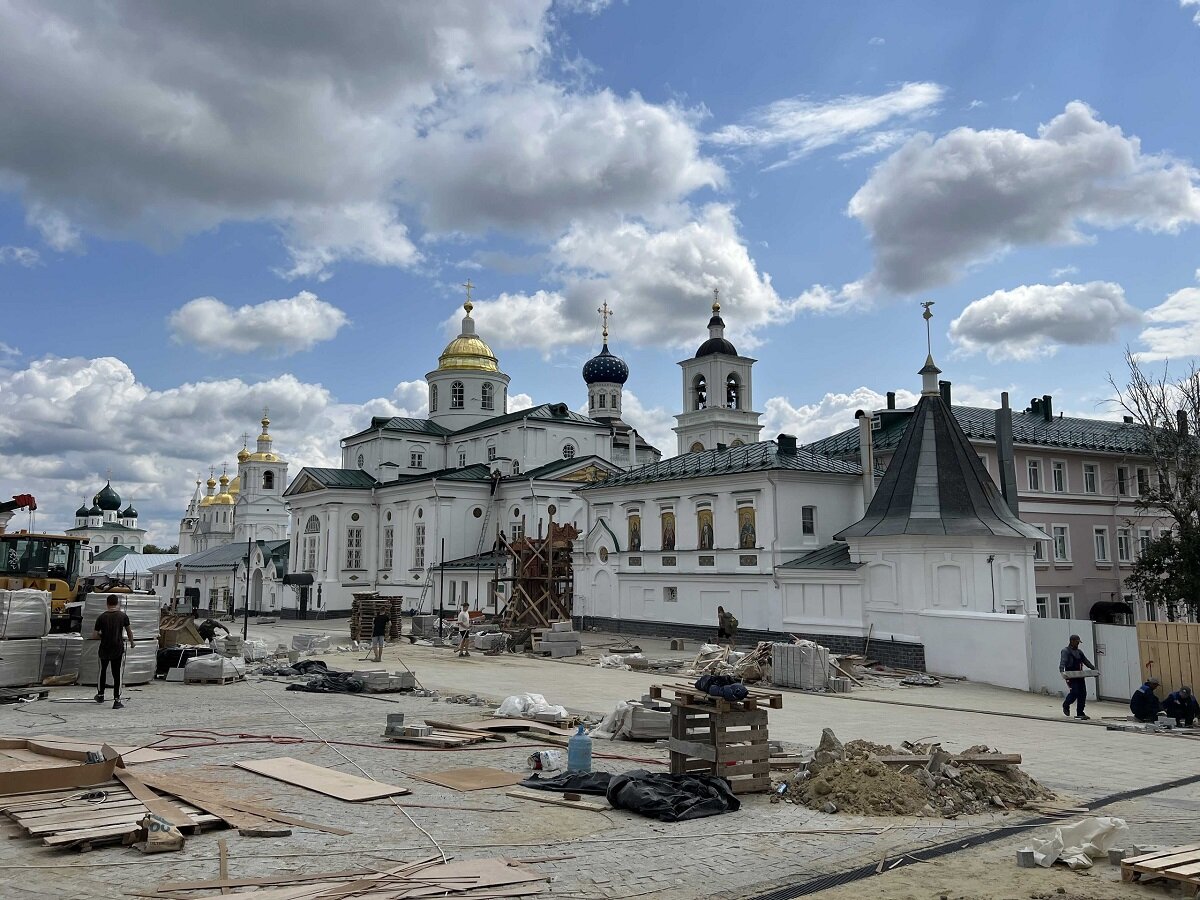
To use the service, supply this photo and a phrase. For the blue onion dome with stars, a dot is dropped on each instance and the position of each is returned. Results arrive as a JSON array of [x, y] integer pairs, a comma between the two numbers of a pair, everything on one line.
[[604, 367]]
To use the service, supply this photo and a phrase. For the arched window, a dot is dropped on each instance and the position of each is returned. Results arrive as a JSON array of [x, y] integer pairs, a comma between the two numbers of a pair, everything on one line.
[[268, 481], [737, 442], [433, 398], [733, 390], [361, 460], [696, 447], [312, 526], [488, 396], [516, 467], [699, 392], [456, 395], [569, 448], [615, 405]]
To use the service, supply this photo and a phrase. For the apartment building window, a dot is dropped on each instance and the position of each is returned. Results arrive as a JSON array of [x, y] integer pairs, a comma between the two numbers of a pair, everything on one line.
[[388, 545], [1143, 481], [419, 545], [1100, 535], [1122, 481], [1035, 474], [354, 547], [1061, 536], [1091, 478], [1043, 605], [1058, 476], [1065, 602], [416, 459], [1145, 536], [808, 520], [1124, 545], [1039, 549]]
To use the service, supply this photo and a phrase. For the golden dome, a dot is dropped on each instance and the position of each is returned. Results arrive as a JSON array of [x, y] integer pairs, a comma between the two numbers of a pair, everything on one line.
[[263, 457], [207, 501], [236, 485], [212, 482], [243, 455], [468, 350]]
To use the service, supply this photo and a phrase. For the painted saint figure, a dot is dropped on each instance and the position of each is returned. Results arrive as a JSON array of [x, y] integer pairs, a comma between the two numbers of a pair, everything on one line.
[[704, 519], [668, 531], [747, 537], [635, 533]]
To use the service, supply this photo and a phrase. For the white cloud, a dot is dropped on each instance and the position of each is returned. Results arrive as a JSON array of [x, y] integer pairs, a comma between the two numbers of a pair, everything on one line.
[[1175, 333], [55, 228], [938, 206], [876, 42], [654, 424], [802, 125], [364, 232], [658, 279], [1186, 3], [21, 256], [1036, 319], [1064, 271], [274, 327], [517, 402]]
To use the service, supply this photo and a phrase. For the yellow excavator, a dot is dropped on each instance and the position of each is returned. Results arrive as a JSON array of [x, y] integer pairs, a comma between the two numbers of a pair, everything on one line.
[[43, 562]]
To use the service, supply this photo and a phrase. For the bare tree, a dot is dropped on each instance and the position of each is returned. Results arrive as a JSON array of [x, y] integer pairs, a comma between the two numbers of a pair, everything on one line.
[[1168, 409]]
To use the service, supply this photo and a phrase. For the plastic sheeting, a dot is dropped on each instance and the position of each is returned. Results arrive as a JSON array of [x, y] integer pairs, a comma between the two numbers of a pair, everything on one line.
[[671, 798], [138, 663], [21, 663], [1079, 843], [144, 611], [24, 614], [526, 706], [213, 668], [60, 654]]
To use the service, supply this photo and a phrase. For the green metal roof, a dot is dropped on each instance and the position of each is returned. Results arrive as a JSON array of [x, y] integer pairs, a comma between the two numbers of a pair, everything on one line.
[[107, 526], [354, 479], [760, 457], [114, 552], [549, 469], [473, 472], [402, 423], [545, 412], [831, 556]]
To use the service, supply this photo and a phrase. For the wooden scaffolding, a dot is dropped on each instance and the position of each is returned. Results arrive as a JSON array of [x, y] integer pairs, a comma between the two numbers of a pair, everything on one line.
[[541, 582]]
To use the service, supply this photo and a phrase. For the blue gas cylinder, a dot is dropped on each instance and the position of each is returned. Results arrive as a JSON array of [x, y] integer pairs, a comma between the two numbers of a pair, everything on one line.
[[579, 752]]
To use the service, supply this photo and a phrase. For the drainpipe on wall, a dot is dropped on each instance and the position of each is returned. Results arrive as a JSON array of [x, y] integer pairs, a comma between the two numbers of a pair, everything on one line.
[[866, 457]]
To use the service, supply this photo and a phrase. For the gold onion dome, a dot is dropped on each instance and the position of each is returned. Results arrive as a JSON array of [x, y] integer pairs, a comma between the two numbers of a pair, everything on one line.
[[243, 455], [223, 497], [235, 486], [468, 350]]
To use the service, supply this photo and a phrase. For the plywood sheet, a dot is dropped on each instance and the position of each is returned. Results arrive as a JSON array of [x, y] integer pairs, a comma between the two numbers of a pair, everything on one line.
[[325, 781], [131, 755], [511, 725], [470, 778]]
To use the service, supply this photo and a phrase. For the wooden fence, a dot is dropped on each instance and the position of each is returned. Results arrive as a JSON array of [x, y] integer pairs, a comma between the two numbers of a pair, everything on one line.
[[1170, 651]]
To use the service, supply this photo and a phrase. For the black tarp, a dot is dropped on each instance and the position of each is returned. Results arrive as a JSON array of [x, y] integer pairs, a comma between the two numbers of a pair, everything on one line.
[[668, 798]]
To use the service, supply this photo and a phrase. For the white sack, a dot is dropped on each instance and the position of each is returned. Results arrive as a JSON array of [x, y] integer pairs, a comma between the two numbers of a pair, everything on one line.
[[525, 706], [212, 668], [1080, 842], [617, 724]]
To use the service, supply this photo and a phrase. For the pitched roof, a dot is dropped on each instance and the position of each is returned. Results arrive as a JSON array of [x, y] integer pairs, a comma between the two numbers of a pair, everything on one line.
[[831, 556], [1029, 428], [760, 457], [546, 412], [488, 560], [136, 563], [116, 551], [555, 466], [227, 556], [402, 423], [936, 484], [352, 479]]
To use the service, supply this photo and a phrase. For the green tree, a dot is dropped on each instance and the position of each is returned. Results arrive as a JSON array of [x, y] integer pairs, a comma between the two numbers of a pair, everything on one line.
[[154, 548]]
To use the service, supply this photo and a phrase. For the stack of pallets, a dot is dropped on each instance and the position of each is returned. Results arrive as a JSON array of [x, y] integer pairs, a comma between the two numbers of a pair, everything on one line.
[[1180, 864], [364, 608]]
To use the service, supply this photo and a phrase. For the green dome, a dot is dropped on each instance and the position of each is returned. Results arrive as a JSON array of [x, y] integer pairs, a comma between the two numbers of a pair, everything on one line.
[[108, 499]]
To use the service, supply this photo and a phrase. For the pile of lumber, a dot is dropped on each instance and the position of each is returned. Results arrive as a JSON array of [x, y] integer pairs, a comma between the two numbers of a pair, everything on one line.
[[363, 609], [176, 630], [746, 666]]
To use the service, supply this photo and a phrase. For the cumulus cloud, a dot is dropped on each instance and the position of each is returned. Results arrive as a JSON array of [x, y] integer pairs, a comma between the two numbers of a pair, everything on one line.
[[274, 327], [659, 280], [1175, 332], [21, 256], [1186, 3], [1036, 319], [801, 125], [938, 206]]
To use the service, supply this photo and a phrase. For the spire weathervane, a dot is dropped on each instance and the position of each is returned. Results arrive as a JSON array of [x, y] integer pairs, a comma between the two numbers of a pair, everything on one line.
[[927, 315], [468, 306], [605, 312]]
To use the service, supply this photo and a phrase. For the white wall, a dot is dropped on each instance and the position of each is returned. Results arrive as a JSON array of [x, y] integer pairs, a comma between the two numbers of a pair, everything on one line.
[[992, 648]]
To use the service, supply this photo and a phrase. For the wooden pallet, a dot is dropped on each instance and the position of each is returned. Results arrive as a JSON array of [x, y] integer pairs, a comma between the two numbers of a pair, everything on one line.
[[731, 745], [1180, 864], [228, 679], [441, 738], [689, 695]]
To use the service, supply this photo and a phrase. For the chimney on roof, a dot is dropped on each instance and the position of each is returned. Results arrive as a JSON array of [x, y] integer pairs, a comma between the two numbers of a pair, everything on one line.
[[1035, 407], [1181, 422], [1128, 420], [1047, 407], [787, 444], [866, 457], [891, 399], [1004, 454], [944, 388]]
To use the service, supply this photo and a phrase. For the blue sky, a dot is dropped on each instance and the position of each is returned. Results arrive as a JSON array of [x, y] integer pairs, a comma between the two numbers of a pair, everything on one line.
[[207, 209]]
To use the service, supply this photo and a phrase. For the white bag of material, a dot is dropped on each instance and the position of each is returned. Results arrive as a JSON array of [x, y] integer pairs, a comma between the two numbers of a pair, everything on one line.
[[20, 663], [24, 614], [137, 664], [525, 706], [144, 611], [310, 642], [254, 649], [1081, 842], [617, 724], [213, 668], [613, 662], [61, 654]]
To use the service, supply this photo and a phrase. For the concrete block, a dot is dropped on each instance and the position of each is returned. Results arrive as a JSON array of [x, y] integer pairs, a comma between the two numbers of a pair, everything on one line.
[[1025, 858], [562, 626], [1116, 854], [418, 730], [561, 649], [395, 724], [175, 674], [678, 644], [557, 637]]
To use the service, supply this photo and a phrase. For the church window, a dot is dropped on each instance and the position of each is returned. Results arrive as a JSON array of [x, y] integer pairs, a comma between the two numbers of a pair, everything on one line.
[[516, 467], [488, 395], [388, 545], [737, 442], [354, 548], [419, 545], [416, 459], [311, 543], [808, 520], [699, 392], [733, 389], [569, 448], [491, 453], [361, 460], [433, 398], [696, 447], [268, 481], [312, 526], [614, 400], [456, 395], [603, 400], [517, 530], [462, 458]]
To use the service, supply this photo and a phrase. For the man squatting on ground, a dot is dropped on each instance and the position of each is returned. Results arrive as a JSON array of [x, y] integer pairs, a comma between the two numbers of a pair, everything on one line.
[[1181, 706], [464, 628], [109, 625], [379, 630], [1143, 704], [1072, 659]]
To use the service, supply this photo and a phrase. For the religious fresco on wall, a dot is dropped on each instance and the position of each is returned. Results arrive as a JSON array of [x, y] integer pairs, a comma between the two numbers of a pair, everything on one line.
[[747, 536], [704, 521], [635, 533], [668, 531]]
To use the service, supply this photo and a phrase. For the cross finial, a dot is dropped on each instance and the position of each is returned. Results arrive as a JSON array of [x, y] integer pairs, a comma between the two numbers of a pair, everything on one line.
[[245, 439], [716, 300], [468, 306], [108, 473], [605, 312], [927, 315]]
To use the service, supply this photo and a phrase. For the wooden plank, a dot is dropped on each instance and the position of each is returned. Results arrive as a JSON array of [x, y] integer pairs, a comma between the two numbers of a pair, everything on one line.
[[1167, 862], [160, 806], [131, 755], [74, 813], [1171, 851], [501, 725], [75, 837], [325, 781], [693, 749], [558, 800], [470, 778], [57, 799], [223, 862], [207, 801], [37, 829]]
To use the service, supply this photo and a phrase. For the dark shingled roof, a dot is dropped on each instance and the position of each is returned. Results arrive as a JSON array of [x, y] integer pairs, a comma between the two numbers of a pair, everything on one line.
[[936, 484], [758, 457], [831, 556], [355, 479]]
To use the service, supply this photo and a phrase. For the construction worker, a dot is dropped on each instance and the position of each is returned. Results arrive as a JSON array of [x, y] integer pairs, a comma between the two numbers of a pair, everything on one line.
[[464, 628], [1072, 659], [208, 629], [1143, 704], [109, 626], [1181, 706], [379, 630]]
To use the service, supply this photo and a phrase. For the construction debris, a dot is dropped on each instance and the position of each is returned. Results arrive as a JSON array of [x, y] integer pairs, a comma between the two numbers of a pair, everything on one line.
[[1079, 843], [717, 660], [866, 779]]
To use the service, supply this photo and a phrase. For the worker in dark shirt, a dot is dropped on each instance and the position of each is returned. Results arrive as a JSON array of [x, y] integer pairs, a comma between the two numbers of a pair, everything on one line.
[[379, 630], [208, 629], [1181, 706], [1072, 659], [1143, 704], [112, 627]]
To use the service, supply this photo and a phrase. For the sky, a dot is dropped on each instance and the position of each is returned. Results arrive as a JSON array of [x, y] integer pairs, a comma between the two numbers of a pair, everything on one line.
[[209, 209]]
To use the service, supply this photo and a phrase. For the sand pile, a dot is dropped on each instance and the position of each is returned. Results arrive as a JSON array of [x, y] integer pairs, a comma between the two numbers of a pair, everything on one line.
[[850, 778]]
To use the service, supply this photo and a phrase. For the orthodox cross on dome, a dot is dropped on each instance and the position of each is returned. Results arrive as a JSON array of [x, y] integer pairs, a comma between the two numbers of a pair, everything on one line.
[[245, 439], [108, 474], [716, 300], [468, 306], [927, 315], [605, 312]]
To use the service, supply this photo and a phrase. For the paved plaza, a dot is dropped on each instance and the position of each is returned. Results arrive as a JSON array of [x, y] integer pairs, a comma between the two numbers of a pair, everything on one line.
[[613, 854]]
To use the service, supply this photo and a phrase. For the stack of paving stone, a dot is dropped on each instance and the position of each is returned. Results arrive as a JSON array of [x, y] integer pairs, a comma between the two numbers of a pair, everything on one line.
[[560, 640]]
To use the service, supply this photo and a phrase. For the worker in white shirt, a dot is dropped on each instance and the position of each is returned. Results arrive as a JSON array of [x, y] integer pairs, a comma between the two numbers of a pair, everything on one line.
[[464, 629]]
